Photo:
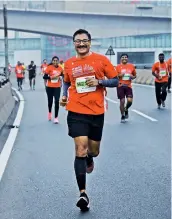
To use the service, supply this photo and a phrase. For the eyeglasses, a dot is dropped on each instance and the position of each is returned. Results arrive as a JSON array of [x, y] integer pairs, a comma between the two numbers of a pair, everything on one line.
[[80, 41]]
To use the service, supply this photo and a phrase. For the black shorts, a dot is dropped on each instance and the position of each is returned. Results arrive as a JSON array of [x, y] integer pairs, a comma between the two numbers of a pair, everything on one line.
[[31, 77], [85, 125]]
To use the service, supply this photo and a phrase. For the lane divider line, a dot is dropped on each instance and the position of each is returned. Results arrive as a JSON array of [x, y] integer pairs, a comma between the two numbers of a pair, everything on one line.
[[134, 110], [6, 151]]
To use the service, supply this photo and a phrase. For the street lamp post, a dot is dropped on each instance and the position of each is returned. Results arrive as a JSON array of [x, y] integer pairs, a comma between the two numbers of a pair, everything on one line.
[[6, 40]]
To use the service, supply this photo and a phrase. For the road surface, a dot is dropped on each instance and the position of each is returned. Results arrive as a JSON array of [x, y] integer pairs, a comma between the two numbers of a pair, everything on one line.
[[131, 179]]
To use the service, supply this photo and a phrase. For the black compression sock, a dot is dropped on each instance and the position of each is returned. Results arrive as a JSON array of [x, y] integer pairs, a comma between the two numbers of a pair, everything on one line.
[[80, 172], [128, 105]]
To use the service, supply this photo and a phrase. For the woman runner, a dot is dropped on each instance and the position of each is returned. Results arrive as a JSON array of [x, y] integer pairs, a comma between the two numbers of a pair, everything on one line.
[[53, 86]]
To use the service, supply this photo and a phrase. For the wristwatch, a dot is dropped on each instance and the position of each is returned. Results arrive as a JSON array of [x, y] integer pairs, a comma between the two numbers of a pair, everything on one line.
[[100, 82]]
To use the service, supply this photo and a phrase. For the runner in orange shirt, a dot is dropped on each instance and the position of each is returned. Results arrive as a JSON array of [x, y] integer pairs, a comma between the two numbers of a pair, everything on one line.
[[19, 70], [169, 62], [43, 69], [126, 73], [83, 94], [160, 71], [53, 86]]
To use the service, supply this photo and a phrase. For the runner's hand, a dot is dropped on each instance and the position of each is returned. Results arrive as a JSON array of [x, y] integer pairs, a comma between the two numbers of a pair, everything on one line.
[[63, 101], [92, 82]]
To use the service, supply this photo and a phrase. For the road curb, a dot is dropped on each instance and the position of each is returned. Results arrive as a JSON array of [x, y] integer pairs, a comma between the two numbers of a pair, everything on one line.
[[6, 152]]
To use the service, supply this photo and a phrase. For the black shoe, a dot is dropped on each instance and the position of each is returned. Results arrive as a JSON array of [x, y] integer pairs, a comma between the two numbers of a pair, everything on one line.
[[122, 119], [83, 202], [126, 114], [163, 103], [90, 164], [159, 106]]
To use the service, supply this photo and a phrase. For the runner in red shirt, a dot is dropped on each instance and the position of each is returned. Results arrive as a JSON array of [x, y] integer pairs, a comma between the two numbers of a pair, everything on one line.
[[53, 87], [160, 72], [84, 95], [126, 73], [19, 70], [169, 62]]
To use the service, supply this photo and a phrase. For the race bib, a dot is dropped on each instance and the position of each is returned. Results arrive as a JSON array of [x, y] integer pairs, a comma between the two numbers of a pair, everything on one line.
[[54, 80], [81, 86], [44, 68], [162, 73], [19, 71], [126, 77]]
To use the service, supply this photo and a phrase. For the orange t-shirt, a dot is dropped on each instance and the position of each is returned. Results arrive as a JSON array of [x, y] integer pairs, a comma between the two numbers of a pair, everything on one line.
[[169, 62], [44, 67], [19, 71], [53, 71], [81, 98], [129, 70], [162, 70]]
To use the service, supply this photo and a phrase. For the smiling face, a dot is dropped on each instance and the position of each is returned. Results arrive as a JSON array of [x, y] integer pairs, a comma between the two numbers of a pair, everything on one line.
[[124, 59], [55, 61], [82, 44]]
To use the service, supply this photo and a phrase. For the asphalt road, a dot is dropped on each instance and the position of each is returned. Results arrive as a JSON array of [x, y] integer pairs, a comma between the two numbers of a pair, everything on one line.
[[131, 179]]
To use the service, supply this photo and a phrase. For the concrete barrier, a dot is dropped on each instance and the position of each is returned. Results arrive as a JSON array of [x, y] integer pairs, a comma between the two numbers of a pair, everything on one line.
[[7, 103], [144, 76]]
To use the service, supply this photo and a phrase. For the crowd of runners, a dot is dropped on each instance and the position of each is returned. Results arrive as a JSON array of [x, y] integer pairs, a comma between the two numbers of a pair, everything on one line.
[[83, 80]]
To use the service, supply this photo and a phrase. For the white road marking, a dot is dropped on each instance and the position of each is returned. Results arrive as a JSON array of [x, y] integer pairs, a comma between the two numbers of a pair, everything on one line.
[[144, 115], [5, 154], [136, 111], [143, 85], [113, 101]]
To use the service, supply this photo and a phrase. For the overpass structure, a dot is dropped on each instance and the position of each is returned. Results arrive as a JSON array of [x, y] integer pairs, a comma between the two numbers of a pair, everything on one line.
[[102, 18]]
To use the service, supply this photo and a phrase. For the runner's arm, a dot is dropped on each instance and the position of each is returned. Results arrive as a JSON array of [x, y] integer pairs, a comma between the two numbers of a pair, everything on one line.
[[66, 86], [112, 82], [66, 81], [134, 74], [46, 77], [154, 71]]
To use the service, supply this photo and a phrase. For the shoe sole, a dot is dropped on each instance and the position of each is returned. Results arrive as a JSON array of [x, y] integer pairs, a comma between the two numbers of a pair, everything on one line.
[[83, 204]]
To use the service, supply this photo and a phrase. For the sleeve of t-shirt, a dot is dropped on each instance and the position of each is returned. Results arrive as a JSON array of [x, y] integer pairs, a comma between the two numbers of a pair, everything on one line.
[[109, 70], [66, 73]]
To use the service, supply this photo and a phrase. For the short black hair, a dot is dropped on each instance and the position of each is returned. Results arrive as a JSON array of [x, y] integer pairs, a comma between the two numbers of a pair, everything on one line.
[[124, 54], [82, 31], [161, 54]]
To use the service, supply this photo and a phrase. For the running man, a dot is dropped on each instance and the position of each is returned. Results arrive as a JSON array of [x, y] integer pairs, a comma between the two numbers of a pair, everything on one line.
[[19, 75], [160, 72], [84, 81], [126, 73], [32, 75], [53, 87], [169, 62]]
